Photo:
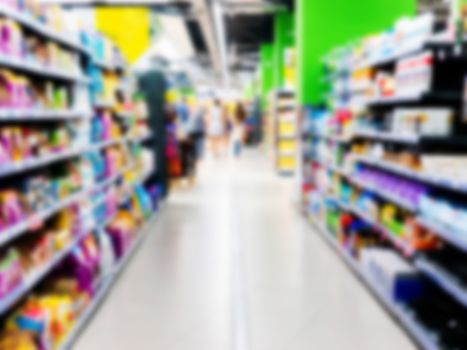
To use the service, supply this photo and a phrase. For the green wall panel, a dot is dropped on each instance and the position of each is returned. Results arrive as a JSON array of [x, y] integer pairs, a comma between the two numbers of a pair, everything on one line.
[[284, 37], [323, 25], [267, 70]]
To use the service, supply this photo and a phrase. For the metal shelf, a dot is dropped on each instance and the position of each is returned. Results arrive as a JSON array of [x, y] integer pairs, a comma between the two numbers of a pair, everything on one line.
[[109, 66], [419, 176], [105, 286], [397, 55], [287, 153], [385, 233], [141, 139], [422, 336], [42, 70], [35, 277], [40, 115], [443, 279], [452, 236], [419, 98], [386, 136], [104, 104], [12, 232], [15, 168], [30, 164], [384, 194]]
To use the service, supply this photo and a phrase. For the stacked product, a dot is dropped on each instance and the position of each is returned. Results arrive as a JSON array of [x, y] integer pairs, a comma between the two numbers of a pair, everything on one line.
[[73, 199], [383, 171], [285, 146]]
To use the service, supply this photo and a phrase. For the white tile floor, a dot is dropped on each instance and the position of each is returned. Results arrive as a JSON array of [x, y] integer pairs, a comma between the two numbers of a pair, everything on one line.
[[231, 265]]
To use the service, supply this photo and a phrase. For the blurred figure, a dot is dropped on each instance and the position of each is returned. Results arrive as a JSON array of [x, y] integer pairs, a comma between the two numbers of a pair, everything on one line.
[[238, 131], [216, 128], [198, 131], [229, 113], [186, 123], [172, 150]]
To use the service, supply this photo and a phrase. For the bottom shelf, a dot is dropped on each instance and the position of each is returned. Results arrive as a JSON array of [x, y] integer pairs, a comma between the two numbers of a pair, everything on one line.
[[104, 288], [399, 312]]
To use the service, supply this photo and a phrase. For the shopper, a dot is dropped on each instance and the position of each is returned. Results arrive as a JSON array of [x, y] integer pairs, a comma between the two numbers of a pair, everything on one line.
[[198, 131], [238, 131], [186, 142], [172, 152], [216, 128]]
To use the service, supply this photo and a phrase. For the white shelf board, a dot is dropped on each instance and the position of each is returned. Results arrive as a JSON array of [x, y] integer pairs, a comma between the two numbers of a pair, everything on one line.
[[443, 279], [15, 168], [449, 234], [38, 114], [44, 71]]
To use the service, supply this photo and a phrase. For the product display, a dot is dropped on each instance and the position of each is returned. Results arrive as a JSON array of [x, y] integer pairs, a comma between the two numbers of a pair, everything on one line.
[[74, 196], [384, 167], [285, 145]]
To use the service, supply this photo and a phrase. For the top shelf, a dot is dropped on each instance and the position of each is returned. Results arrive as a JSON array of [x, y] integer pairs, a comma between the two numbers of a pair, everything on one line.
[[108, 66], [433, 98], [42, 29], [285, 92], [433, 43]]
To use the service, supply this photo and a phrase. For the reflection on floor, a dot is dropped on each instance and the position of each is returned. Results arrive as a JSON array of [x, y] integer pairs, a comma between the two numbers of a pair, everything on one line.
[[231, 265]]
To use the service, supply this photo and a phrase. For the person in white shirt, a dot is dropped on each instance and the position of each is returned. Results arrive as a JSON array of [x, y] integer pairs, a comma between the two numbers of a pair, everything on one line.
[[216, 128], [238, 131]]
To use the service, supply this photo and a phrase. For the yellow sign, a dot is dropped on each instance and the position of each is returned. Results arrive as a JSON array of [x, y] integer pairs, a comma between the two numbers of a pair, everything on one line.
[[128, 28]]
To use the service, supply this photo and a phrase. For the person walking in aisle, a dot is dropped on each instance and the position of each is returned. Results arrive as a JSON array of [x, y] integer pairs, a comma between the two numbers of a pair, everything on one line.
[[238, 132], [198, 131], [216, 128], [187, 144]]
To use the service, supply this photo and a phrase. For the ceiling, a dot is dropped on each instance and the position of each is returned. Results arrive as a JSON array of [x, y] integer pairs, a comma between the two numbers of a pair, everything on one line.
[[246, 25], [225, 35]]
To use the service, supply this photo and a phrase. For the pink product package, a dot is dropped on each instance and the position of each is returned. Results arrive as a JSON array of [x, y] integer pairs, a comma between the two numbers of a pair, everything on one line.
[[110, 164], [5, 39], [23, 96], [11, 274], [106, 126], [11, 39], [10, 209], [7, 92], [10, 3], [6, 140], [5, 151], [111, 204]]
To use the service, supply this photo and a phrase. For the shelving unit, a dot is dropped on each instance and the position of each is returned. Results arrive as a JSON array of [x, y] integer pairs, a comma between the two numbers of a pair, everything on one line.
[[382, 174], [420, 335], [104, 287], [285, 131], [91, 189], [42, 29]]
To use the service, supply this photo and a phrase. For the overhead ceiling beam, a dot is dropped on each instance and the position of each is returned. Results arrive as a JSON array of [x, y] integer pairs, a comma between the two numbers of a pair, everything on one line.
[[201, 11], [220, 30]]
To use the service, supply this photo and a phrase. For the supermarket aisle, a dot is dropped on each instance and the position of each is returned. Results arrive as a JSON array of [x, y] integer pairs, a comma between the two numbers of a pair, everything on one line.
[[232, 265]]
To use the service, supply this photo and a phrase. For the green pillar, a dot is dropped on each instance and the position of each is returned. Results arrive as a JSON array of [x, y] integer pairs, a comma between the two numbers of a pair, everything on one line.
[[324, 25], [284, 37], [267, 70]]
